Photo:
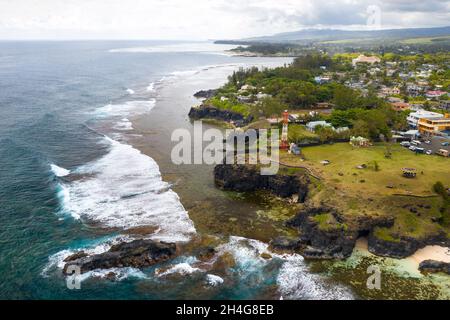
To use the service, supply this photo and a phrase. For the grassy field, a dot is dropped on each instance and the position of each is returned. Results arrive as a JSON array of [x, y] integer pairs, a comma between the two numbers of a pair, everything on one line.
[[426, 40], [359, 192], [344, 174]]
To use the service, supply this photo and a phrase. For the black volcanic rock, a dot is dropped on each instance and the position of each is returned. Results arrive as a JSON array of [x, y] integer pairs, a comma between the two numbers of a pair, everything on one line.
[[431, 266], [335, 240], [205, 93], [210, 112], [404, 246], [247, 178], [285, 244], [137, 254]]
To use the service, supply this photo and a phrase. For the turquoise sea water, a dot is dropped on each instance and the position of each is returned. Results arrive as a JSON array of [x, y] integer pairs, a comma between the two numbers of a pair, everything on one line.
[[69, 180]]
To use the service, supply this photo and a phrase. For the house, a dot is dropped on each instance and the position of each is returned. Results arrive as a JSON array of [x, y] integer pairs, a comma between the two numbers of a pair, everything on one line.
[[433, 126], [261, 96], [444, 105], [414, 117], [311, 126], [246, 87], [322, 79], [388, 91], [394, 99], [364, 59], [400, 106], [245, 99], [434, 94], [414, 90]]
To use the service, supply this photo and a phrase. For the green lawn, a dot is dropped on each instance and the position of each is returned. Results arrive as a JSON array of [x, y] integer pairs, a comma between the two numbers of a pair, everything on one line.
[[358, 192], [343, 172]]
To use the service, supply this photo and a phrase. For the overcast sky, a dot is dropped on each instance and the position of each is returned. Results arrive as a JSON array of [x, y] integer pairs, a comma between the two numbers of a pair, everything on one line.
[[203, 19]]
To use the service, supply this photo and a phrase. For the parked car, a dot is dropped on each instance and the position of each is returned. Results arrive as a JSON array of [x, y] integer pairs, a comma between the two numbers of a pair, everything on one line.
[[405, 144], [445, 144], [428, 142], [429, 152], [420, 150], [416, 142], [412, 148]]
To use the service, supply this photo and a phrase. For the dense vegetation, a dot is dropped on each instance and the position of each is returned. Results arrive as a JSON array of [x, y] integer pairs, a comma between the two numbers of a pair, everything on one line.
[[294, 87]]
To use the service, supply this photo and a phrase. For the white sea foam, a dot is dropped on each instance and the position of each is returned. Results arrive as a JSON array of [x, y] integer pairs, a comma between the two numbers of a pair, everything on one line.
[[294, 279], [124, 188], [58, 171], [183, 268], [151, 87], [123, 125], [130, 91], [57, 260], [213, 280], [127, 108], [203, 47]]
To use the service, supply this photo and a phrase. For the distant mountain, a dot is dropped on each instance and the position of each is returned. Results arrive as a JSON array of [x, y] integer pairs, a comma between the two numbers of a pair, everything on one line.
[[315, 35]]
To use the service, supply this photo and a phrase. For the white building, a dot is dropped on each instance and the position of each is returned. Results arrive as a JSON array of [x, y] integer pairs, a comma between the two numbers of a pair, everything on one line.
[[311, 126], [414, 117]]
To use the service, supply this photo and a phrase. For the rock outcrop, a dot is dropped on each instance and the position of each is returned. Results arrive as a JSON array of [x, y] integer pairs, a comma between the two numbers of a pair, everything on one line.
[[247, 178], [333, 238], [210, 112], [136, 254], [205, 93], [403, 246], [432, 266]]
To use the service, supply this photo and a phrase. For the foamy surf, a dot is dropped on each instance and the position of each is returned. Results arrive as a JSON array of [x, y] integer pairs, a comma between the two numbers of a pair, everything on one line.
[[126, 108], [130, 91], [56, 262], [58, 171], [151, 87], [294, 280], [124, 189]]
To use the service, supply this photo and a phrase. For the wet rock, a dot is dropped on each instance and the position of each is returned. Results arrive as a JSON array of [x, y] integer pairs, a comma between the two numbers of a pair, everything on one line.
[[136, 254], [266, 256], [75, 256], [285, 244], [247, 178], [206, 253], [432, 266]]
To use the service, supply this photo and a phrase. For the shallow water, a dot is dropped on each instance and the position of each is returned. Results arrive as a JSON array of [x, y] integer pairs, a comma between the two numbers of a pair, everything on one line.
[[85, 150]]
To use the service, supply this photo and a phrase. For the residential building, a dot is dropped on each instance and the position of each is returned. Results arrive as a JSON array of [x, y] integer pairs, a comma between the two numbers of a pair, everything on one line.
[[434, 94], [400, 106], [434, 126], [414, 117], [364, 59]]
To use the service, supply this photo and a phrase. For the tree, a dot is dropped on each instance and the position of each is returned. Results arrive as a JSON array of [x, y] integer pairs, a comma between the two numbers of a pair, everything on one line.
[[345, 98], [360, 129], [272, 106]]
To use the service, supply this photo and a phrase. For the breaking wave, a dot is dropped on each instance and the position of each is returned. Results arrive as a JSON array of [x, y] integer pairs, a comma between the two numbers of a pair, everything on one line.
[[124, 189]]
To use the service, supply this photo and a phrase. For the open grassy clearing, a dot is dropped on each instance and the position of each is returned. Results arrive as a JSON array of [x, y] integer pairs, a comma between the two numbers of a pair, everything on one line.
[[362, 192], [343, 173]]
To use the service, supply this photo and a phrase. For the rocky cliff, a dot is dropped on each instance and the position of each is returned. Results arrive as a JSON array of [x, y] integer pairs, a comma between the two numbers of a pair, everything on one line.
[[210, 112], [247, 178]]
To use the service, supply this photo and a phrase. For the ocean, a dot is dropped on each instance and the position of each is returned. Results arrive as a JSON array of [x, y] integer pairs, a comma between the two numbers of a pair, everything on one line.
[[85, 148]]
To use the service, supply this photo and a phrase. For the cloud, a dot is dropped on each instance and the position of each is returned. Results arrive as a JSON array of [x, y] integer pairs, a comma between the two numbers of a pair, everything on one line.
[[202, 19]]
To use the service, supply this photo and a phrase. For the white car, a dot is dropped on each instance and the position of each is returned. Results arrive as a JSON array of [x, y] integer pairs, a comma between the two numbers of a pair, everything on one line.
[[428, 142], [429, 152], [412, 148]]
